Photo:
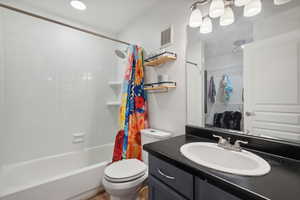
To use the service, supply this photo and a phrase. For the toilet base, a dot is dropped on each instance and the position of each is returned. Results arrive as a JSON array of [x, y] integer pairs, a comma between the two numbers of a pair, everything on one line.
[[131, 197], [125, 191]]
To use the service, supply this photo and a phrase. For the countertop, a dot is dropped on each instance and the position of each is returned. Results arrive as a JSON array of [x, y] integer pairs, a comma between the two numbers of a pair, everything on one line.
[[281, 183]]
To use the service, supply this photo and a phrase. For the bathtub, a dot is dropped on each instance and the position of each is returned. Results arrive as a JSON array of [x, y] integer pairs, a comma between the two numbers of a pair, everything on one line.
[[70, 176]]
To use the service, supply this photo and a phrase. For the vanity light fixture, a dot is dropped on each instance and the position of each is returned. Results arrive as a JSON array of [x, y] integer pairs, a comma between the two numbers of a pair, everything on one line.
[[224, 10], [217, 8], [228, 17], [280, 2], [195, 18], [240, 3], [206, 26], [253, 8], [79, 5]]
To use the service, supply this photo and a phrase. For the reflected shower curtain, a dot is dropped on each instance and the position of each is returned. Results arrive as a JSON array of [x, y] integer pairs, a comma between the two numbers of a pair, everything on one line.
[[133, 116]]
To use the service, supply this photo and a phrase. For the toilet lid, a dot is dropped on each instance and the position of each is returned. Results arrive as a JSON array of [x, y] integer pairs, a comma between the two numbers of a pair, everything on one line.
[[125, 170]]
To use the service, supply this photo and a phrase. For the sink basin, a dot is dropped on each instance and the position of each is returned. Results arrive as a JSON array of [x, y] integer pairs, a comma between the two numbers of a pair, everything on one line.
[[214, 157]]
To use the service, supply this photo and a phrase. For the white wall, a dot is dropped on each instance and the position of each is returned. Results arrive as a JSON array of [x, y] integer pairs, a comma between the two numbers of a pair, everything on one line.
[[167, 111], [55, 84], [280, 23]]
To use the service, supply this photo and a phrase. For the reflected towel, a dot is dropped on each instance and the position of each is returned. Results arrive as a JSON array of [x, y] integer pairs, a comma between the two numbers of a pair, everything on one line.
[[212, 90], [228, 88]]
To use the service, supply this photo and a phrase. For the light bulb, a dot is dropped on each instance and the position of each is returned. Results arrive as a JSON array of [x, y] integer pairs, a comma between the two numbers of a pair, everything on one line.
[[253, 8], [227, 18], [240, 3], [217, 8], [79, 5], [195, 18], [280, 2], [206, 26]]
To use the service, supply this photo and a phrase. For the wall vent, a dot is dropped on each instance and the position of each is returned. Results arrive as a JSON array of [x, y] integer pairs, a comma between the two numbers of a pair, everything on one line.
[[166, 37]]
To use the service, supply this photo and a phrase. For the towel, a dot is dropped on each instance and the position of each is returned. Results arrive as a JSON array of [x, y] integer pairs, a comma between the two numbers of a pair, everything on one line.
[[228, 88], [133, 110], [212, 90]]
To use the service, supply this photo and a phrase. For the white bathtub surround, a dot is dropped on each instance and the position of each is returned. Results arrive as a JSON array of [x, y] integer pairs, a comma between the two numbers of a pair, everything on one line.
[[67, 176], [53, 85]]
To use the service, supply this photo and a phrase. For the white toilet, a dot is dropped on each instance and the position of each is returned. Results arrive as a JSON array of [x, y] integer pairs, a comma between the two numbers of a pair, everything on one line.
[[123, 179]]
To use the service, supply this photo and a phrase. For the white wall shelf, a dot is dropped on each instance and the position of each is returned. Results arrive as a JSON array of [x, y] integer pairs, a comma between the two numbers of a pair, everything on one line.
[[160, 61], [160, 86]]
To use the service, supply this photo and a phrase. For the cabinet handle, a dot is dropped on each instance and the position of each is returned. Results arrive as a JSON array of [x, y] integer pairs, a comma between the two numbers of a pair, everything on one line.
[[164, 175], [250, 114]]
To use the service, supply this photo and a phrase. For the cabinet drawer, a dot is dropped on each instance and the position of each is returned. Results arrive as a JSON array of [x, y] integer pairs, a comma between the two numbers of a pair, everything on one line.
[[206, 191], [174, 177], [159, 191]]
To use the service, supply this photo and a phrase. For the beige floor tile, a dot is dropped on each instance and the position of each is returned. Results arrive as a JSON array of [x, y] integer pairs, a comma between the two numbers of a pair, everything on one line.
[[143, 195]]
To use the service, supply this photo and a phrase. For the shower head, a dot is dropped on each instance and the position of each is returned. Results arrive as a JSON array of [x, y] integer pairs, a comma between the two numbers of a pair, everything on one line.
[[120, 54], [238, 45]]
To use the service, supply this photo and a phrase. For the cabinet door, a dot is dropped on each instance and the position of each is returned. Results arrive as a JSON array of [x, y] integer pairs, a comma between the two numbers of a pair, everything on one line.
[[181, 181], [159, 191], [206, 191]]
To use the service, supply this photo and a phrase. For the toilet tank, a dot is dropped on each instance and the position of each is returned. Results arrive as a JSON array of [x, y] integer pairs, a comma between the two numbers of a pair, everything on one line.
[[152, 135]]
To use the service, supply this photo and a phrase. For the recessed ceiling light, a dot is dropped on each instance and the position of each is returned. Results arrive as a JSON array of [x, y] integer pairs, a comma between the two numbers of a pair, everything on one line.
[[280, 2], [79, 5]]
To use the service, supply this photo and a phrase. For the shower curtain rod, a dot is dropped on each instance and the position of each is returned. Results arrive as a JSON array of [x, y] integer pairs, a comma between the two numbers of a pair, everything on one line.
[[192, 63], [61, 23]]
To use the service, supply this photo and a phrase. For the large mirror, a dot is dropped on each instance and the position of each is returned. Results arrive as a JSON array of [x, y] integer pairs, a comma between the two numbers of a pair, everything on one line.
[[245, 76]]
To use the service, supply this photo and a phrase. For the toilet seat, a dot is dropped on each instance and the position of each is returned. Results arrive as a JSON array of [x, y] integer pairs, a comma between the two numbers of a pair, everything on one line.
[[125, 171], [123, 180], [125, 188]]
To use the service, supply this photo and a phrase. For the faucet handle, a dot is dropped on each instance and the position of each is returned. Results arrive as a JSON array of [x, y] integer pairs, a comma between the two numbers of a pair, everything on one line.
[[221, 139], [238, 143]]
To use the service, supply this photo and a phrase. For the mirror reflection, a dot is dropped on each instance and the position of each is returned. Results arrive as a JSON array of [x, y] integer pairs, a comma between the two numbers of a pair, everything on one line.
[[245, 75]]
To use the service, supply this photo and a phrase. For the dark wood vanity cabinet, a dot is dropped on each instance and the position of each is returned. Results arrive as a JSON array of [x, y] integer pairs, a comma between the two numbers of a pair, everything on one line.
[[167, 182], [206, 191], [173, 177], [160, 191]]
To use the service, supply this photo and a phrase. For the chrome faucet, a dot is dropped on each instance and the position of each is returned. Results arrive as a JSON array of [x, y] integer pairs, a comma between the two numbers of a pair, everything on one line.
[[225, 144], [237, 145]]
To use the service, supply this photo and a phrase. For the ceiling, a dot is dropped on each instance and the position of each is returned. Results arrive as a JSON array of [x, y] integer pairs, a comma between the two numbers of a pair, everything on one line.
[[106, 15]]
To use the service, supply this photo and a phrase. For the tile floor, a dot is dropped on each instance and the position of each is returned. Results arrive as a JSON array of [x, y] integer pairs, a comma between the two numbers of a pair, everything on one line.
[[101, 196], [143, 195]]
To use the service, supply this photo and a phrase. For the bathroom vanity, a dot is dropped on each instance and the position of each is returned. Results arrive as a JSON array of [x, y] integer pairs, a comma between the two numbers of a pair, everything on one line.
[[174, 177], [181, 185], [242, 82]]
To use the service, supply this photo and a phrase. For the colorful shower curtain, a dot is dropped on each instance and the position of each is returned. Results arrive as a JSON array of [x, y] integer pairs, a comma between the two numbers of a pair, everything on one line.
[[133, 110]]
